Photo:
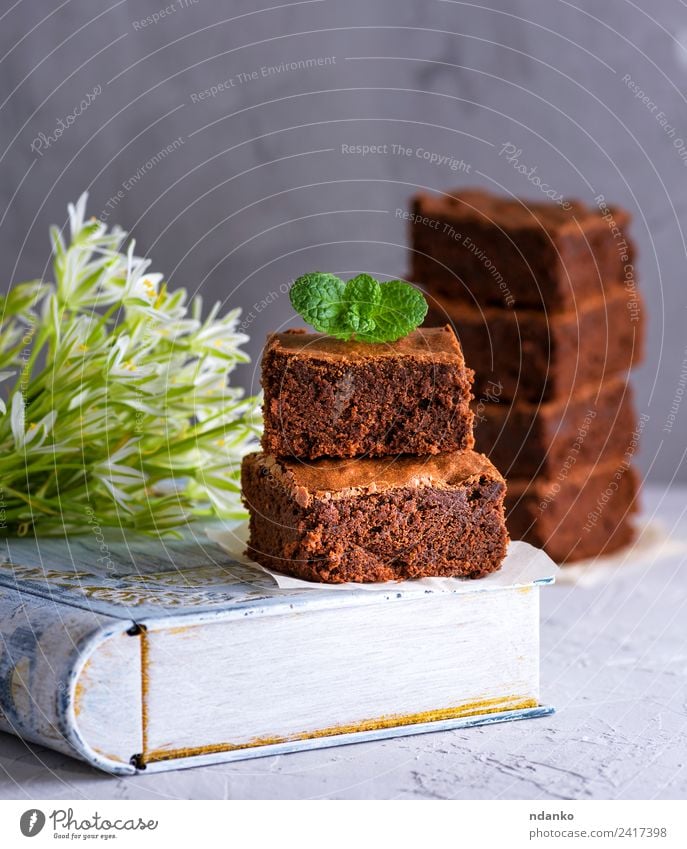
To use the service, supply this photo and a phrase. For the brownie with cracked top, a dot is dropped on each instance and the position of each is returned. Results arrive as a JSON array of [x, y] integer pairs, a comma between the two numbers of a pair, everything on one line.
[[583, 428], [376, 519], [327, 398], [478, 247], [537, 356], [588, 513]]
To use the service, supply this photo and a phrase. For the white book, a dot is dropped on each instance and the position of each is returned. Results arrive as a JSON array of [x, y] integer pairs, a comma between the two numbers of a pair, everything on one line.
[[135, 654]]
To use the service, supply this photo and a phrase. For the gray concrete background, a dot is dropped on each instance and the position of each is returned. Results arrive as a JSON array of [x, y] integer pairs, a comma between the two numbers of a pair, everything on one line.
[[256, 188]]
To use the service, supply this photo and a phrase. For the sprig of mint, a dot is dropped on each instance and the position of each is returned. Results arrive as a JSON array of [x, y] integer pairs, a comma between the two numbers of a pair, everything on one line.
[[363, 308]]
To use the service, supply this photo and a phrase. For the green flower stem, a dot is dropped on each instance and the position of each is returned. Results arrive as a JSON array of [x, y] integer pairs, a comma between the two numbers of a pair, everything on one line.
[[33, 501]]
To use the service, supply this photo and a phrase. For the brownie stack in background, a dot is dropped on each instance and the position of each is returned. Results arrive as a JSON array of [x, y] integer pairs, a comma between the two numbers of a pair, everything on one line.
[[367, 471], [544, 301]]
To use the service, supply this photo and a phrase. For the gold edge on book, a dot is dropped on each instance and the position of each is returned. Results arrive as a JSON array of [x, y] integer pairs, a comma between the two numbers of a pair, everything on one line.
[[467, 709]]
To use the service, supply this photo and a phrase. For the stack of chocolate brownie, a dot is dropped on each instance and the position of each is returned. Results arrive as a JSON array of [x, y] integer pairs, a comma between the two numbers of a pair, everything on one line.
[[367, 471], [544, 301]]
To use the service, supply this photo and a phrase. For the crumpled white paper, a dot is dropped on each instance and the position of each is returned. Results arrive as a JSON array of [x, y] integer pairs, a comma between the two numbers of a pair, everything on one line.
[[523, 565]]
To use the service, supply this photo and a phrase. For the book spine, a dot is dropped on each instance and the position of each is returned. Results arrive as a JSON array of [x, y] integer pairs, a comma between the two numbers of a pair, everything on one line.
[[44, 647]]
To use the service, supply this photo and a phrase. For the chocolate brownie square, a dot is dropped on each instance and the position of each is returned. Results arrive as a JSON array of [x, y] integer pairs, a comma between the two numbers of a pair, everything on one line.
[[482, 248], [582, 429], [328, 398], [586, 514], [536, 356], [376, 519]]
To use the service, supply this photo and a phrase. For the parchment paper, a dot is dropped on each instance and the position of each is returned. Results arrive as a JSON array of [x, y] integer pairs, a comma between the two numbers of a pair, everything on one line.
[[522, 565]]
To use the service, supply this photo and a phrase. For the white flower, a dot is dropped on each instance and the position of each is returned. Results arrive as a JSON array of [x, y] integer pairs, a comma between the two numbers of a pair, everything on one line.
[[128, 386], [17, 419]]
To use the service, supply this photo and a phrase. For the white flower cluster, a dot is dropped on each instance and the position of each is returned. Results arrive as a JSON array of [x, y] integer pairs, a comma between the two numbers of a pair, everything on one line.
[[121, 403]]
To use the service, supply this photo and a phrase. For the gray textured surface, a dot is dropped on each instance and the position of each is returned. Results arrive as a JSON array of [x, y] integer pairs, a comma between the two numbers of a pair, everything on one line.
[[614, 665], [258, 190]]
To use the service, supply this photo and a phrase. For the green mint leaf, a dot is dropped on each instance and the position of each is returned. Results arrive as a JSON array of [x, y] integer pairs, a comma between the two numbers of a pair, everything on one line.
[[402, 308], [319, 299], [363, 295], [362, 309]]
